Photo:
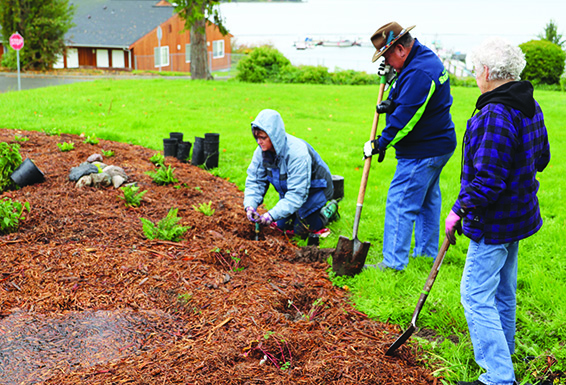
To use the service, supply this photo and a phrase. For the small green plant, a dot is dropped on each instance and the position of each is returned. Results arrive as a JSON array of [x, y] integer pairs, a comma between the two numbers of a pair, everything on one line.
[[205, 208], [275, 350], [11, 212], [230, 259], [157, 159], [108, 154], [66, 146], [163, 176], [51, 131], [10, 159], [18, 138], [132, 196], [167, 228], [91, 139]]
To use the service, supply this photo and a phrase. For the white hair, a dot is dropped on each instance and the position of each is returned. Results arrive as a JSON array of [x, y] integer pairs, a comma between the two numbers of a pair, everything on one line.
[[504, 60]]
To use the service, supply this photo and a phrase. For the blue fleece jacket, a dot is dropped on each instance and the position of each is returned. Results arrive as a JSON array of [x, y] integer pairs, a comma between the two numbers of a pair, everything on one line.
[[421, 125], [296, 170]]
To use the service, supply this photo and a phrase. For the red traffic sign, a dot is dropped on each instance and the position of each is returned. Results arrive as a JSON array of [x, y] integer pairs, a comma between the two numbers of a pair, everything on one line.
[[16, 41]]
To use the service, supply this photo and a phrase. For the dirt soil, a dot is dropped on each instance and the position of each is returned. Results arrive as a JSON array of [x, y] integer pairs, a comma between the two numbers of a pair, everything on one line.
[[86, 298]]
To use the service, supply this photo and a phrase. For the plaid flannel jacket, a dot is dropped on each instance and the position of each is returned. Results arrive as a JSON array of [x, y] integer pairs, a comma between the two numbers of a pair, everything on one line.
[[503, 151]]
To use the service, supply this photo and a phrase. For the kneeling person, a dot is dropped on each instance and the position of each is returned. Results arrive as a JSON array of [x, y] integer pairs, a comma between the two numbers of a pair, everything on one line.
[[297, 172]]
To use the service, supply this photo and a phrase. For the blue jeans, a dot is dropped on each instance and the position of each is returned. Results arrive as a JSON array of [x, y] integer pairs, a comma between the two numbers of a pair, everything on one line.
[[413, 200], [488, 290], [301, 227]]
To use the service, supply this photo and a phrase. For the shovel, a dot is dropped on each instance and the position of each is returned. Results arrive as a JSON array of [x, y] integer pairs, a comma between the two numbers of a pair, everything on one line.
[[350, 255], [428, 285]]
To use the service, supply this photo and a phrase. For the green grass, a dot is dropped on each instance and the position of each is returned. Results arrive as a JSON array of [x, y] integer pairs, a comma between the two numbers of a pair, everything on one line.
[[336, 120]]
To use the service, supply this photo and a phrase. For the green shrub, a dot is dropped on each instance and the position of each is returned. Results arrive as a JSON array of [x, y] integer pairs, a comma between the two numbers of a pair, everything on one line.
[[262, 64], [10, 159], [311, 75], [18, 138], [355, 78], [91, 139], [157, 158], [163, 175], [545, 62], [167, 228], [11, 212], [107, 154], [205, 208], [66, 146], [132, 196]]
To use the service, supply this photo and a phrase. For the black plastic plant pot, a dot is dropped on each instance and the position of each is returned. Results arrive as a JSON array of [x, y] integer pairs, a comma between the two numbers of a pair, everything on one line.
[[211, 142], [338, 183], [27, 174], [198, 152], [170, 147], [176, 135], [184, 151]]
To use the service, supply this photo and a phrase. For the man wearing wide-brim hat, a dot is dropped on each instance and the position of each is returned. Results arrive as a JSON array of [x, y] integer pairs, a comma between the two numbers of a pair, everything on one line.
[[420, 128]]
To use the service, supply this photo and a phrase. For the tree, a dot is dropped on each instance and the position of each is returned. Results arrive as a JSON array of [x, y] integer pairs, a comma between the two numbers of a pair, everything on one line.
[[545, 61], [551, 34], [197, 13], [42, 23]]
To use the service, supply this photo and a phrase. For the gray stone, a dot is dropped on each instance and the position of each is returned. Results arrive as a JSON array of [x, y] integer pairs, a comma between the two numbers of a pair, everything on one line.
[[82, 170], [84, 181], [115, 170], [117, 181], [102, 179], [94, 158]]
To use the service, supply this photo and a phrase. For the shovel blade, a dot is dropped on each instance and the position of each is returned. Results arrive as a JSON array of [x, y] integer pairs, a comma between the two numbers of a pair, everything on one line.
[[349, 256], [401, 340]]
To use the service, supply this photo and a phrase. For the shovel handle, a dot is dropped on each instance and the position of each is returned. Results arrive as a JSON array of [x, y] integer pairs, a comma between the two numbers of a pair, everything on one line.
[[367, 163], [431, 278]]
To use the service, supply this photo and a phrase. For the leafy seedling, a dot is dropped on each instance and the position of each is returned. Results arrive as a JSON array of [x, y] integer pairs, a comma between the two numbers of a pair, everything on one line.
[[66, 146]]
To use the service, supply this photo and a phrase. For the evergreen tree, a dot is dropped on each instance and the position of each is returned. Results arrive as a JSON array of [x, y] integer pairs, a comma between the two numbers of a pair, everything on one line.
[[196, 14], [42, 23], [551, 34]]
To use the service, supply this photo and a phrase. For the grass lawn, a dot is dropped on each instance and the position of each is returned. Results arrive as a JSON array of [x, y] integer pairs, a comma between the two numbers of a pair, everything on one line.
[[336, 120]]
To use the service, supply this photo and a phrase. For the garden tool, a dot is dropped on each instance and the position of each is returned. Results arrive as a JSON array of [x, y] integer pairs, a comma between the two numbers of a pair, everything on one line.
[[257, 229], [350, 255], [428, 285]]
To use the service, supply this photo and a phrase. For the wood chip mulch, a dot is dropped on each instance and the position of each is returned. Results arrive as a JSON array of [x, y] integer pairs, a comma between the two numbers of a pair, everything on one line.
[[86, 298]]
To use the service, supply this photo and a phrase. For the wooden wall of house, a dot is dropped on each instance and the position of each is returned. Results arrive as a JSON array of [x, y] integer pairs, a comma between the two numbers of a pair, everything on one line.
[[176, 39]]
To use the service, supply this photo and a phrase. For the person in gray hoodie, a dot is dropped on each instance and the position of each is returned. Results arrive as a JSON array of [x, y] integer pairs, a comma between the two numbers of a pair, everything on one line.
[[298, 174]]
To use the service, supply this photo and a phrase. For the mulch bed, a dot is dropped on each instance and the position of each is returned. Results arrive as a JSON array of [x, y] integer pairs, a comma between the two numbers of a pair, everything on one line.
[[86, 298]]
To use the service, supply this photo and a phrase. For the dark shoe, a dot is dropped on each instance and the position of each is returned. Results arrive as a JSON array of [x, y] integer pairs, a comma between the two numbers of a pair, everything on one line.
[[476, 382]]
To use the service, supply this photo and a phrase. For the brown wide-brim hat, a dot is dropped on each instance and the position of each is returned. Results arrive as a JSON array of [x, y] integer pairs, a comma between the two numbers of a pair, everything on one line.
[[386, 36]]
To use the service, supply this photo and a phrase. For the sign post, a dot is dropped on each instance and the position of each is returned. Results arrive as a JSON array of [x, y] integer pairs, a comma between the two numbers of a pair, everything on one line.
[[159, 36], [17, 43]]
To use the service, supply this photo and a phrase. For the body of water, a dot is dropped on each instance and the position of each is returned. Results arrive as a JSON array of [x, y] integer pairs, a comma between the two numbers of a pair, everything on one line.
[[455, 26]]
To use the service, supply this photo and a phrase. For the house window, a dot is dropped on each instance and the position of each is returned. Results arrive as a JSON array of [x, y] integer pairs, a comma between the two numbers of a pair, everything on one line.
[[102, 58], [187, 53], [217, 49], [118, 58], [162, 59]]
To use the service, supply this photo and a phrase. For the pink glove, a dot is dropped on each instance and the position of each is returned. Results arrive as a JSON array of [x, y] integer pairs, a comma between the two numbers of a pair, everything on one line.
[[453, 224], [252, 214], [265, 219]]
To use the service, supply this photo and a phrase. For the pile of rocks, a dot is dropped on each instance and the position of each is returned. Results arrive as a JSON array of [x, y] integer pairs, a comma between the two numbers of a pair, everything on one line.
[[95, 173]]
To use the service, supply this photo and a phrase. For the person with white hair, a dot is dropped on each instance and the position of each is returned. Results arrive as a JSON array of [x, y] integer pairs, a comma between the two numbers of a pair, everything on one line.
[[504, 147]]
